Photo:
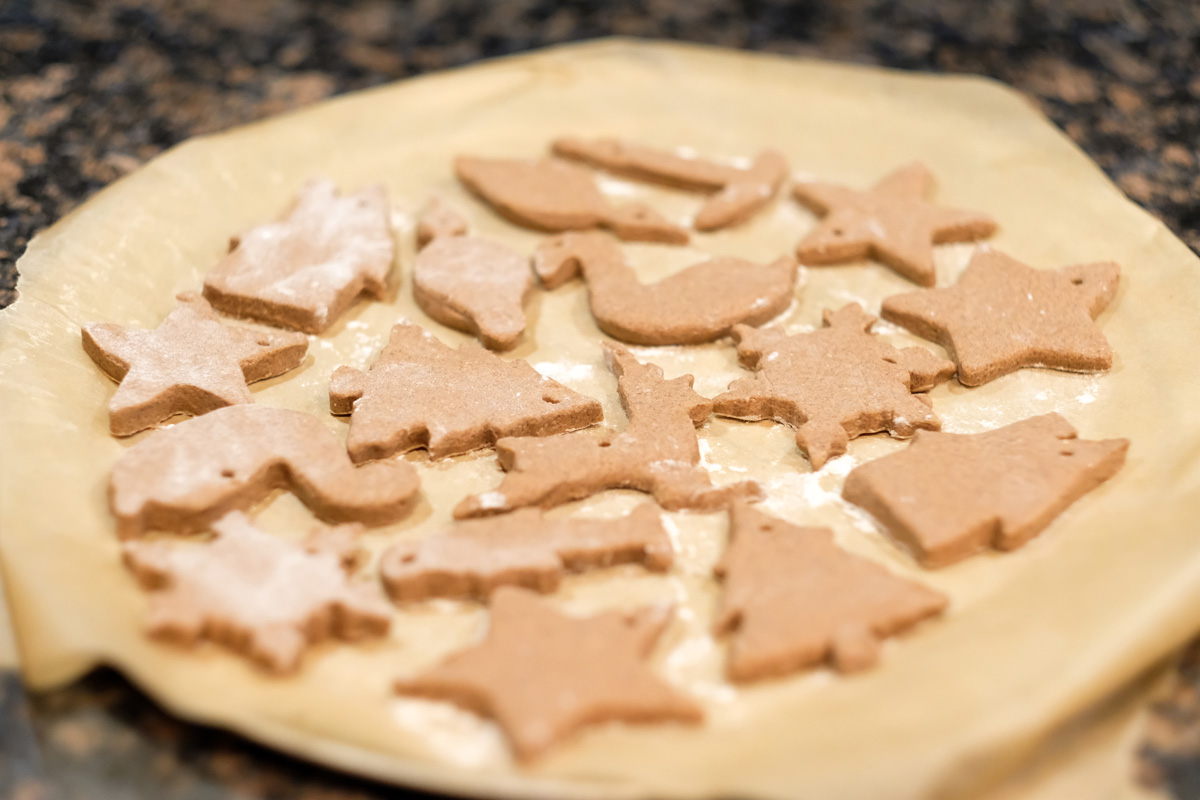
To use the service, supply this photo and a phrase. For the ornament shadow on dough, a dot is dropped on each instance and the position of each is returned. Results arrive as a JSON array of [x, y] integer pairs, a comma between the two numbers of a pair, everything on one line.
[[257, 594], [305, 270], [523, 548], [543, 675], [833, 384], [892, 223], [793, 599], [699, 304], [1002, 316], [553, 195], [948, 496], [469, 283], [422, 393], [657, 452], [184, 477], [738, 193], [190, 364]]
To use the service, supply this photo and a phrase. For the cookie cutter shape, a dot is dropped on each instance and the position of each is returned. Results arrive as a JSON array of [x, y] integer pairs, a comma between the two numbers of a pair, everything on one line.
[[892, 222], [305, 270], [833, 384], [439, 220], [699, 304], [421, 393], [260, 595], [793, 599], [553, 195], [948, 496], [1002, 316], [657, 452], [524, 548], [190, 364], [469, 283], [184, 477], [543, 675], [738, 193]]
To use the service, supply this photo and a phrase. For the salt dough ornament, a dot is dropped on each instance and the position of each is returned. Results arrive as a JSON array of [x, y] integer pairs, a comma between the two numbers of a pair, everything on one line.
[[891, 222], [183, 478], [262, 596], [421, 393], [305, 270], [739, 192], [524, 548], [469, 283], [949, 496], [833, 384], [1002, 316], [543, 675], [439, 220], [190, 364], [656, 453], [792, 599], [699, 304], [554, 195]]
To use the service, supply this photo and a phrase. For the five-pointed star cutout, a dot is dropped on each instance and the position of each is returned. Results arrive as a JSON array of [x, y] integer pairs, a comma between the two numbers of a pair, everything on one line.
[[190, 364], [892, 222], [1003, 315], [543, 675]]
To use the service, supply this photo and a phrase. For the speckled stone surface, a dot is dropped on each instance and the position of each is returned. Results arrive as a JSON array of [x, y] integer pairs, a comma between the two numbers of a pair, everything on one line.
[[89, 91]]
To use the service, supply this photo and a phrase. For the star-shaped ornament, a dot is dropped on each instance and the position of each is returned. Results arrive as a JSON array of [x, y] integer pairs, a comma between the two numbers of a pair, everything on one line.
[[190, 364], [892, 222], [542, 675], [1002, 316]]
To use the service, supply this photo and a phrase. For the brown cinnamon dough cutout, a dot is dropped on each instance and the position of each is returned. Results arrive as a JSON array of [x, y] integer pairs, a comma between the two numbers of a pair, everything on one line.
[[305, 270], [793, 598], [833, 384], [184, 477], [255, 593], [543, 675], [439, 220], [468, 283], [189, 364], [553, 195], [421, 393], [657, 452], [948, 496], [523, 548], [699, 304], [1002, 316], [892, 223], [739, 193]]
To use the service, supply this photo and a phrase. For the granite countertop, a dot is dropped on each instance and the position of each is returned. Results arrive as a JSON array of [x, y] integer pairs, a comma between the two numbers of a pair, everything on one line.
[[88, 94]]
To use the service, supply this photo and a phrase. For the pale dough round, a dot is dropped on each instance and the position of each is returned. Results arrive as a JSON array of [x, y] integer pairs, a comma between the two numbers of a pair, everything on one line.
[[1031, 638]]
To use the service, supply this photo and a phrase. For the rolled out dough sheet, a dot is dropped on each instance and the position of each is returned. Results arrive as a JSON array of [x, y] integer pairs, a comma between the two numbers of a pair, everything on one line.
[[8, 647], [1031, 639]]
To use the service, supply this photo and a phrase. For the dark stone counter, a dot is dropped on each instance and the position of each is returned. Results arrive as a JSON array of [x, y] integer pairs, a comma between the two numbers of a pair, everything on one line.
[[89, 91]]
